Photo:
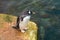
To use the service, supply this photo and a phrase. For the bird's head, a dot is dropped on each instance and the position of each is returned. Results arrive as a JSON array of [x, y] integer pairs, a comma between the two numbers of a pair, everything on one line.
[[27, 14]]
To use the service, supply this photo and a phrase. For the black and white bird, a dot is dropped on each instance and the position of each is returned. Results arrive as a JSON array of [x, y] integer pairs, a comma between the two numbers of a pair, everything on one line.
[[23, 20]]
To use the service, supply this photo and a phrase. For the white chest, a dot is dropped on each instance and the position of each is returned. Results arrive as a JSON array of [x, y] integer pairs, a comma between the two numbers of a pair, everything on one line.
[[23, 24]]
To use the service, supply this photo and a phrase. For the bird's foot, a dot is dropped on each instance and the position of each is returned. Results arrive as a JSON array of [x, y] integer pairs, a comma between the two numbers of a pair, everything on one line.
[[16, 28], [24, 30]]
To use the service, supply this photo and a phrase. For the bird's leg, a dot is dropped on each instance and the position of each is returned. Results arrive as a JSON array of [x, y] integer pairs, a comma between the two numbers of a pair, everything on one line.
[[17, 24]]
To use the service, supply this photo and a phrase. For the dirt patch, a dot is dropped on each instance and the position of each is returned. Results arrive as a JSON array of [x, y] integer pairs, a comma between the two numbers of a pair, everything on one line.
[[8, 33]]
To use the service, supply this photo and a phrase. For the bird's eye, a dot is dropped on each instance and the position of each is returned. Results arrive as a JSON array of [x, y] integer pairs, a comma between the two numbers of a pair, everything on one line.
[[29, 12]]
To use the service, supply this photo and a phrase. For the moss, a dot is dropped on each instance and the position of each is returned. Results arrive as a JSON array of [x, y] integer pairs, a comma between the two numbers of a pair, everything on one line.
[[32, 31], [8, 18], [5, 19]]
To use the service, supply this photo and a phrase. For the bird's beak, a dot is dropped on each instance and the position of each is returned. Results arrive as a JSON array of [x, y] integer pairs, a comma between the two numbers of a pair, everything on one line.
[[34, 13]]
